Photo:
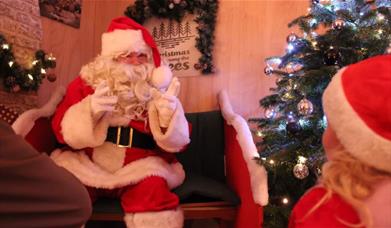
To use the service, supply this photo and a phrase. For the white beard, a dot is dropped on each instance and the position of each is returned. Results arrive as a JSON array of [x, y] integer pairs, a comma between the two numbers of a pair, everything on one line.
[[129, 82]]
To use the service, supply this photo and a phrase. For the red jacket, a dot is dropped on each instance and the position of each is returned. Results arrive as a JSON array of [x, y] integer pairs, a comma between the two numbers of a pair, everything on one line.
[[328, 215]]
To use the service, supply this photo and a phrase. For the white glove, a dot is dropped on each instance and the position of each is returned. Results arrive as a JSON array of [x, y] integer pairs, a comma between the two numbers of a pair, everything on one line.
[[166, 103], [101, 103]]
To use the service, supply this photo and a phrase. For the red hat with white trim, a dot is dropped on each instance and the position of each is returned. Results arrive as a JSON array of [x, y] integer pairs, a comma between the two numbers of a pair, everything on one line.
[[357, 103], [125, 35]]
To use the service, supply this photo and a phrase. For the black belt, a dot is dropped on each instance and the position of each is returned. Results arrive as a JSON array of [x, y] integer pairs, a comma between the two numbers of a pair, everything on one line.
[[130, 137]]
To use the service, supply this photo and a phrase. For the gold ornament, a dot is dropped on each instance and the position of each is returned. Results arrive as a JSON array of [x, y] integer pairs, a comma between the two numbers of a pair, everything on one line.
[[287, 96]]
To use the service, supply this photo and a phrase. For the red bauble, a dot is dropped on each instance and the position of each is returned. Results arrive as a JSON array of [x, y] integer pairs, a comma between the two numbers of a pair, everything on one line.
[[51, 77]]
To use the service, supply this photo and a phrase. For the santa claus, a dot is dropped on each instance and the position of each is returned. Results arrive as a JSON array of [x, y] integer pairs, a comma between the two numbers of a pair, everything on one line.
[[122, 124]]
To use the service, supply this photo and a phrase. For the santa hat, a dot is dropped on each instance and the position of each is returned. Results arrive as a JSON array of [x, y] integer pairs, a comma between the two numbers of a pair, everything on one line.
[[126, 35], [357, 103]]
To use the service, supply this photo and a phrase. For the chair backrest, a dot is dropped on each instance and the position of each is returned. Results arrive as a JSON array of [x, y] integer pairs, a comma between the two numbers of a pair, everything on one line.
[[205, 154]]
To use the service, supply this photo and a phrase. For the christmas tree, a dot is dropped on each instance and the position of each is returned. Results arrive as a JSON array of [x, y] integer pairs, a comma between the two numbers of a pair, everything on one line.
[[335, 33]]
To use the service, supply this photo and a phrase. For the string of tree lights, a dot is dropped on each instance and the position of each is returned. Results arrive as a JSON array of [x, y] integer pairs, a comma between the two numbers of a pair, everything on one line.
[[15, 77], [334, 33]]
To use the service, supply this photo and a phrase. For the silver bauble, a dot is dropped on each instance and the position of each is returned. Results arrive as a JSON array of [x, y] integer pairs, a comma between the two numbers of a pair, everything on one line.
[[270, 113], [268, 70], [171, 5], [305, 107], [338, 24], [291, 37], [300, 171]]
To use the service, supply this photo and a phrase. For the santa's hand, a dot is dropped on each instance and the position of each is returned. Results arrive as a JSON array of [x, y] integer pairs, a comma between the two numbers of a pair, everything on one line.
[[173, 88], [166, 103], [100, 102]]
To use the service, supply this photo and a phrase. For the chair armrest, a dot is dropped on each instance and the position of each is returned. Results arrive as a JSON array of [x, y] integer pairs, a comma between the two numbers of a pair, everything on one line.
[[25, 122], [245, 148], [35, 126], [41, 136], [238, 178]]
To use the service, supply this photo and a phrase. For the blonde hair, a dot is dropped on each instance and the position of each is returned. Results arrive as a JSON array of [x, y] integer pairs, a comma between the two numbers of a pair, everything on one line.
[[351, 179]]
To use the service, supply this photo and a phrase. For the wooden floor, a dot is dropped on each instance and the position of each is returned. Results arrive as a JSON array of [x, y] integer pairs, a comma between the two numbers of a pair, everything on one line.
[[205, 215], [204, 223]]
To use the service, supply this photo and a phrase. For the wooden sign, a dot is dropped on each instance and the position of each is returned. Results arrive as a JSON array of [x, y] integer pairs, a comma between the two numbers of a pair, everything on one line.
[[176, 42]]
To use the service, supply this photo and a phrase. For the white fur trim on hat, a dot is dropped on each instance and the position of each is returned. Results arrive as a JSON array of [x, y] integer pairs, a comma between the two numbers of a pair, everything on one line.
[[119, 41], [258, 175], [161, 77], [353, 133]]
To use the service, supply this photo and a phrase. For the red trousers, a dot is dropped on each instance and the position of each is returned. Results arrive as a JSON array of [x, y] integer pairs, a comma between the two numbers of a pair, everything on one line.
[[151, 194]]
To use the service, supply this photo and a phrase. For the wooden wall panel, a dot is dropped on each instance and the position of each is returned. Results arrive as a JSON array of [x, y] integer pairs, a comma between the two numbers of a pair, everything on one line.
[[247, 32]]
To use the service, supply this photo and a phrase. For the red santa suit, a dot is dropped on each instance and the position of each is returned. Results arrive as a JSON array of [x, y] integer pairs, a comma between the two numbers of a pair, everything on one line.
[[140, 175]]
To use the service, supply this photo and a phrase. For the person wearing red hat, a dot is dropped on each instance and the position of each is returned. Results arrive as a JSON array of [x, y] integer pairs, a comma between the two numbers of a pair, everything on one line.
[[123, 118], [355, 186]]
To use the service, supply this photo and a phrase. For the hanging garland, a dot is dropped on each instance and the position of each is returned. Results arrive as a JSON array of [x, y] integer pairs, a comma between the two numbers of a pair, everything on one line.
[[205, 10], [15, 77]]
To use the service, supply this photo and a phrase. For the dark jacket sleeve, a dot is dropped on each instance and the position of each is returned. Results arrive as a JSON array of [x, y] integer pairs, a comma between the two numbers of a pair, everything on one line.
[[36, 191]]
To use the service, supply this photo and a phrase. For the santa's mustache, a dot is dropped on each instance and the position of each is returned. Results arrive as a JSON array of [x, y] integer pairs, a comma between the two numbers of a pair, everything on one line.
[[137, 83], [131, 83]]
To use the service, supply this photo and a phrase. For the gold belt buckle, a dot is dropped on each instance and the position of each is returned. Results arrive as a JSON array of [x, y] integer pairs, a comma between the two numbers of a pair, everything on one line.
[[119, 138]]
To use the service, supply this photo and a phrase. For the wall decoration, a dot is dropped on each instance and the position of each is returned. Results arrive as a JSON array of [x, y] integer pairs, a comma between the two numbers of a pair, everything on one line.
[[176, 42], [179, 28], [65, 11], [15, 77], [22, 67], [20, 24]]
